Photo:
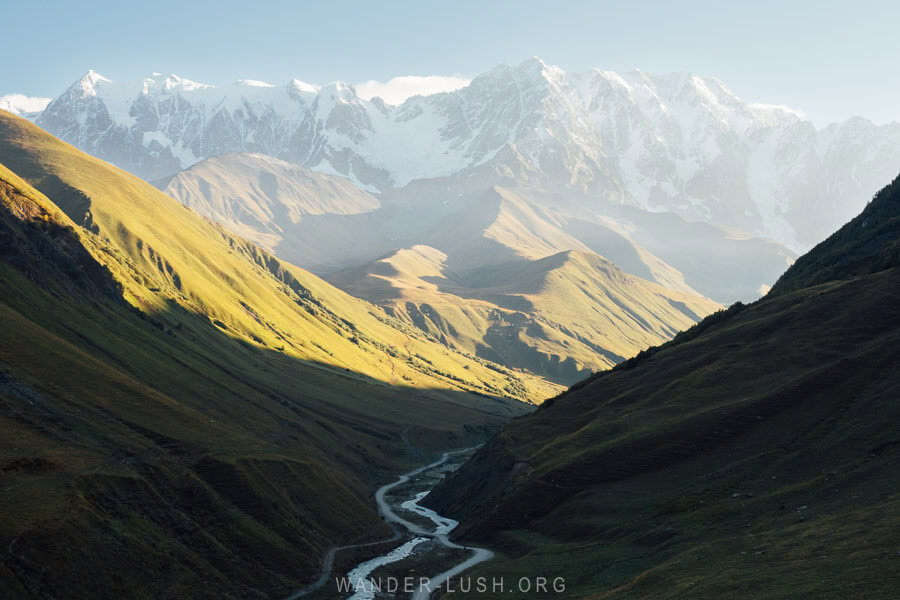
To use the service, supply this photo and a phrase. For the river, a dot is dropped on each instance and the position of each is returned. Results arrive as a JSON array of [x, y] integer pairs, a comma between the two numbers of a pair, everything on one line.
[[425, 532]]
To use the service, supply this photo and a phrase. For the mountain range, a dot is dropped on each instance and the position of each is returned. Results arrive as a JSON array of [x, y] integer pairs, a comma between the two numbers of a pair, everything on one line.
[[677, 143], [494, 273], [524, 164]]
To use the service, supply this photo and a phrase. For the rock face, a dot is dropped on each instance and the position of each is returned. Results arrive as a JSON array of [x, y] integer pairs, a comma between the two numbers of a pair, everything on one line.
[[676, 142]]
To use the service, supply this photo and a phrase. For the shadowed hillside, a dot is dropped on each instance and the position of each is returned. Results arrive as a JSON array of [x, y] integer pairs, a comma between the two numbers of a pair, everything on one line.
[[754, 456]]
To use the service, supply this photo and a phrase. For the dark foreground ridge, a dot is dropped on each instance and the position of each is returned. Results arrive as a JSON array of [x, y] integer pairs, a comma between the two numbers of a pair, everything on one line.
[[754, 457]]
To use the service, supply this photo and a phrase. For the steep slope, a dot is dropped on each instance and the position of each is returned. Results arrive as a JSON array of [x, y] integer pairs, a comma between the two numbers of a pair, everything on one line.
[[179, 404], [307, 218], [751, 457], [675, 142], [560, 316]]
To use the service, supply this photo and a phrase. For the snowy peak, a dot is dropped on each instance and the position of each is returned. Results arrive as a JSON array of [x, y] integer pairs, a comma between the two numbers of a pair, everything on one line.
[[303, 87], [156, 84], [88, 84], [338, 93], [174, 82], [536, 68], [532, 72], [776, 111]]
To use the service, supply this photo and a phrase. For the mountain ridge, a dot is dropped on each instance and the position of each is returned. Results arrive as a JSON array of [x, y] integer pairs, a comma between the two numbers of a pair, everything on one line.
[[281, 206]]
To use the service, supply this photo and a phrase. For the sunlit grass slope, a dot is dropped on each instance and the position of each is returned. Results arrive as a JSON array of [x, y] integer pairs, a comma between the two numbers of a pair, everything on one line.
[[182, 415], [561, 316], [164, 254]]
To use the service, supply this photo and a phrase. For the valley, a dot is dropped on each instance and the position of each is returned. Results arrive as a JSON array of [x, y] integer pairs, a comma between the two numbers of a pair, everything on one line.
[[420, 553], [504, 332], [176, 399]]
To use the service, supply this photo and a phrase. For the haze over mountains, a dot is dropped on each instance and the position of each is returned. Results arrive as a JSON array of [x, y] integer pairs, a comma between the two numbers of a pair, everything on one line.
[[671, 178], [523, 164], [493, 273], [678, 142], [19, 104], [318, 221]]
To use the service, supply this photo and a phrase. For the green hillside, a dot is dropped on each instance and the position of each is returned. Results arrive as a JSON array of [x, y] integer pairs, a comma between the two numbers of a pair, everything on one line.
[[183, 415], [754, 456]]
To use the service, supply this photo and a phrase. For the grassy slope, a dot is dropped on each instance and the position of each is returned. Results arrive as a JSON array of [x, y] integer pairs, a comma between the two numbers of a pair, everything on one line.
[[754, 457], [560, 316], [165, 255], [191, 420]]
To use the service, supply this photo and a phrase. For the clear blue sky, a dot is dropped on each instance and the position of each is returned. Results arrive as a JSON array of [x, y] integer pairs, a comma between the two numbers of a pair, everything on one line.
[[830, 59]]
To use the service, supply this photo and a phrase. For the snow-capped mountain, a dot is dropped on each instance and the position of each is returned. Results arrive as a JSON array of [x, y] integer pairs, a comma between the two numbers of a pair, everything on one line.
[[676, 142]]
